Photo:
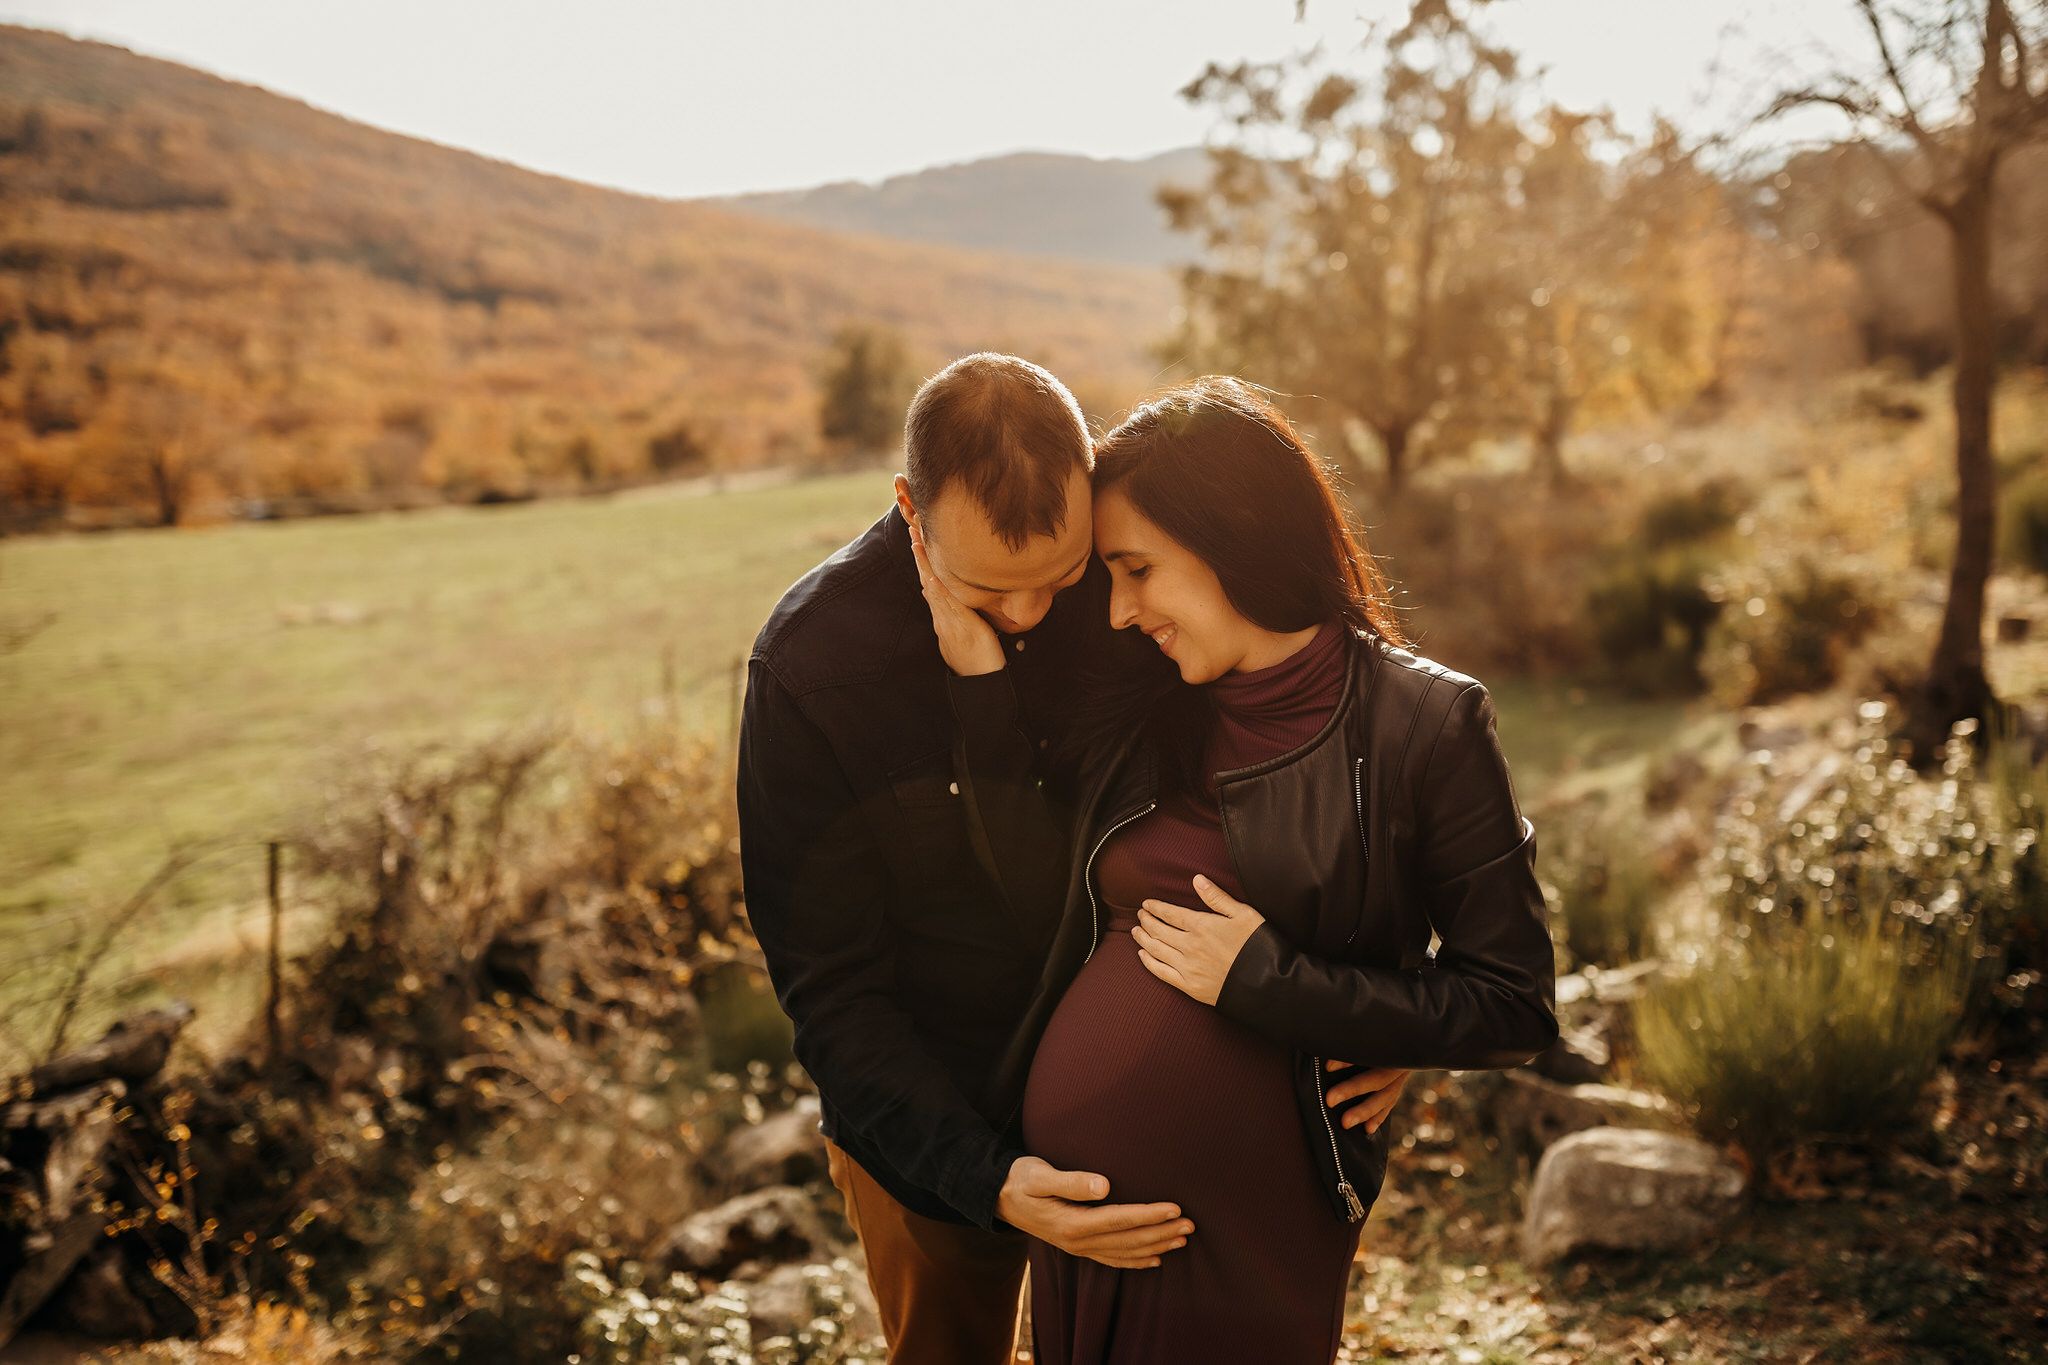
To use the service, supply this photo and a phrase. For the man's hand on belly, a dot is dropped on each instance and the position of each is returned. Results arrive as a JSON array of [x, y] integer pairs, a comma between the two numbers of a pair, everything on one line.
[[1057, 1207]]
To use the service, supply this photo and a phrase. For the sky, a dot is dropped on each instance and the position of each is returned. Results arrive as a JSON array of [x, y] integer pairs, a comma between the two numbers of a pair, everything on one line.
[[682, 98]]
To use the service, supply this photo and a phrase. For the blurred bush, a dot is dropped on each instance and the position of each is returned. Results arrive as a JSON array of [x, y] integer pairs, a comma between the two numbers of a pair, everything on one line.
[[1853, 911], [494, 1059], [1500, 569], [1606, 882], [1788, 627], [623, 1323], [1822, 1031], [1649, 606], [2023, 523]]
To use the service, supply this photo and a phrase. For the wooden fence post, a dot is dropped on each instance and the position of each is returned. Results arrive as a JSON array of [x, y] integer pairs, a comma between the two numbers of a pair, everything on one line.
[[276, 956]]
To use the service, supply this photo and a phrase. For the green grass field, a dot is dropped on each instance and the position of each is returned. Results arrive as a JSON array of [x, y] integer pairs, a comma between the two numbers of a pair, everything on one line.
[[199, 685], [207, 684]]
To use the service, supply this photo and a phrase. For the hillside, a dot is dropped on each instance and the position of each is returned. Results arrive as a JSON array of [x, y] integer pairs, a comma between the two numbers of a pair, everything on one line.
[[207, 290], [1038, 202]]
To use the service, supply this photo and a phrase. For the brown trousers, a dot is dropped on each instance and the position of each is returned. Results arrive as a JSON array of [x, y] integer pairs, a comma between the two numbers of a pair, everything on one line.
[[948, 1294]]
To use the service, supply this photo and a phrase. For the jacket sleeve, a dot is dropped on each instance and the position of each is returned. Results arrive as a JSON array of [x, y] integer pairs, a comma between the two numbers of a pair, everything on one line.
[[1488, 998], [816, 897]]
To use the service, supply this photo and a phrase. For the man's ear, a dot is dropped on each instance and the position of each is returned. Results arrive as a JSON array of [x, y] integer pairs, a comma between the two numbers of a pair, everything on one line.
[[904, 506]]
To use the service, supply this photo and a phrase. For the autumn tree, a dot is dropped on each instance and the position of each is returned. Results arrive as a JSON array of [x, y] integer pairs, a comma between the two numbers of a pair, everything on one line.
[[867, 383], [163, 441], [1949, 89], [1349, 230], [1602, 236]]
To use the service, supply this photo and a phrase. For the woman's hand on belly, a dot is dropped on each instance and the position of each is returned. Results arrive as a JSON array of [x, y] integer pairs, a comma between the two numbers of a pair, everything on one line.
[[1191, 950]]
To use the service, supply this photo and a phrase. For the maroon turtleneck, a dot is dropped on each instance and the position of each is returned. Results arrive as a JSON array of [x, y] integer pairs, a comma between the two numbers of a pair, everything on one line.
[[1170, 1100], [1260, 715]]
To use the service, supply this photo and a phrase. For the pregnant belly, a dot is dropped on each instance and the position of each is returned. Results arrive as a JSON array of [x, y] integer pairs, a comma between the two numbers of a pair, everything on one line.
[[1161, 1094]]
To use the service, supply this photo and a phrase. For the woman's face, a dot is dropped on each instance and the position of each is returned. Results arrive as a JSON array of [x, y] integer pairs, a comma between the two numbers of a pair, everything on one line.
[[1166, 590]]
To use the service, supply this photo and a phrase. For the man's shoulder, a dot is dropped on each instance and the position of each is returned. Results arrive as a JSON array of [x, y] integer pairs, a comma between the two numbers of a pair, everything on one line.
[[841, 622]]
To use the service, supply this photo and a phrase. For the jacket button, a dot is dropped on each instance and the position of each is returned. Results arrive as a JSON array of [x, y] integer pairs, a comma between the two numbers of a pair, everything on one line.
[[953, 787], [1020, 646]]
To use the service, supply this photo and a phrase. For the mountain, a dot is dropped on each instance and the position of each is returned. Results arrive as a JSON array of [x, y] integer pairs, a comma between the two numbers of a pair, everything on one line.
[[1043, 203], [207, 286]]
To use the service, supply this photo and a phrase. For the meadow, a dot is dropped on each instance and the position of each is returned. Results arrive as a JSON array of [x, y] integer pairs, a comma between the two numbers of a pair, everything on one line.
[[203, 688]]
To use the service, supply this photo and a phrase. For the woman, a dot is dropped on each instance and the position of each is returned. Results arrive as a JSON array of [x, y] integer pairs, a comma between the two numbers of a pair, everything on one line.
[[1268, 838]]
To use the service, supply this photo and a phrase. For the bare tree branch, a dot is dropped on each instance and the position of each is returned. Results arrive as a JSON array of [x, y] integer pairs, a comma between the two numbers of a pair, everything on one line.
[[1910, 119]]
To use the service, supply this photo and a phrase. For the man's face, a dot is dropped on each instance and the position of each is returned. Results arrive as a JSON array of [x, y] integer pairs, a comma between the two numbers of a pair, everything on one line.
[[1011, 588]]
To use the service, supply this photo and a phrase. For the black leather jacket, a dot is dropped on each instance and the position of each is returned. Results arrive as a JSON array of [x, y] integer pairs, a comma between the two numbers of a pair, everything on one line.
[[1395, 822]]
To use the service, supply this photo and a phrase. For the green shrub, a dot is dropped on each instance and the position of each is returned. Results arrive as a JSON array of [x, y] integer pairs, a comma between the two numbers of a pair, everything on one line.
[[1825, 1029], [1649, 611], [1851, 914], [1606, 885], [1692, 516], [1788, 629], [2023, 523]]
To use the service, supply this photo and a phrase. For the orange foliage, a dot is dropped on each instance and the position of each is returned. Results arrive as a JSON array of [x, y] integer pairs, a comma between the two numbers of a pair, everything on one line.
[[207, 290]]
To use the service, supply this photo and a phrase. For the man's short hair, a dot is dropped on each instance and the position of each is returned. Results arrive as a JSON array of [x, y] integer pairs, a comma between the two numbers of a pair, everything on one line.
[[1004, 430]]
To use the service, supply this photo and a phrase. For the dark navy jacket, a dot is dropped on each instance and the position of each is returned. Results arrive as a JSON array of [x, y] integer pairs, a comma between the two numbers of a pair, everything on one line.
[[870, 883]]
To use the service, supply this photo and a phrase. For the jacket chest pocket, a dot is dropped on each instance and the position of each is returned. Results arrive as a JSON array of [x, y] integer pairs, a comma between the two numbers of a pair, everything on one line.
[[926, 786], [930, 847]]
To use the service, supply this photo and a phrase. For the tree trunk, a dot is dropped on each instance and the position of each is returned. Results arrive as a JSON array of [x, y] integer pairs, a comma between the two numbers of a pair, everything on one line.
[[1549, 438], [1395, 442], [1955, 687]]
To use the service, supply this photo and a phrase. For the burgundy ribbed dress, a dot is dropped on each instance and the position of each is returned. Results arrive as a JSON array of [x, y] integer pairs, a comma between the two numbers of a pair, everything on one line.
[[1172, 1101]]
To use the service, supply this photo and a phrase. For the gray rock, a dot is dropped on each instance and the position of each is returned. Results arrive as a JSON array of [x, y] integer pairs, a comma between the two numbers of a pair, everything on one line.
[[1533, 1112], [782, 1149], [132, 1050], [776, 1224], [1578, 1057], [59, 1227], [1627, 1189], [779, 1305], [97, 1301], [788, 1299]]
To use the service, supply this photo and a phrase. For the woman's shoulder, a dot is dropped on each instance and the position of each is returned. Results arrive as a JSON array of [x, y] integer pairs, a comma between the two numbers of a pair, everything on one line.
[[1398, 674]]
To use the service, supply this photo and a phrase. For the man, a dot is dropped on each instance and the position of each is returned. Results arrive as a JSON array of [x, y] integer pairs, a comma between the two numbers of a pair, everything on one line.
[[902, 957]]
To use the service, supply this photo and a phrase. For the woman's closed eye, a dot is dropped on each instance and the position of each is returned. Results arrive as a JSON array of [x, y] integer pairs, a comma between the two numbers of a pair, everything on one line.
[[1138, 570]]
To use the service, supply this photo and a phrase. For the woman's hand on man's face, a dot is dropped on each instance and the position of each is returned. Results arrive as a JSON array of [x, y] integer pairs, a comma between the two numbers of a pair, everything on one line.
[[1191, 950], [967, 643]]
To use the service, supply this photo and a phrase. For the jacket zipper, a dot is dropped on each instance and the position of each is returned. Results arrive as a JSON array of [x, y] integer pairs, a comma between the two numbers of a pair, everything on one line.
[[1352, 1206], [1364, 844], [1088, 876]]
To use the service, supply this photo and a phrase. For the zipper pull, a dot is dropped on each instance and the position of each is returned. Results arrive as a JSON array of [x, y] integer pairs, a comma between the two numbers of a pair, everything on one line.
[[1356, 1209]]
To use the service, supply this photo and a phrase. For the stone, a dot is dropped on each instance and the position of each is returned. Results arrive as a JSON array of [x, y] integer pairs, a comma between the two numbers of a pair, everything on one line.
[[97, 1301], [1534, 1112], [1627, 1189], [775, 1224], [132, 1050], [1578, 1057], [782, 1149], [70, 1134], [785, 1301], [779, 1305]]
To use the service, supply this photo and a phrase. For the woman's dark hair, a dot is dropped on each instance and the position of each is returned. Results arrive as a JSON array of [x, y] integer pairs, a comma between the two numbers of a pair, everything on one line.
[[1217, 467], [1221, 470]]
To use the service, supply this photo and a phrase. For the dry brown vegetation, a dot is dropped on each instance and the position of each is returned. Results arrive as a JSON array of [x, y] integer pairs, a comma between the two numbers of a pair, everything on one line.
[[209, 291]]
